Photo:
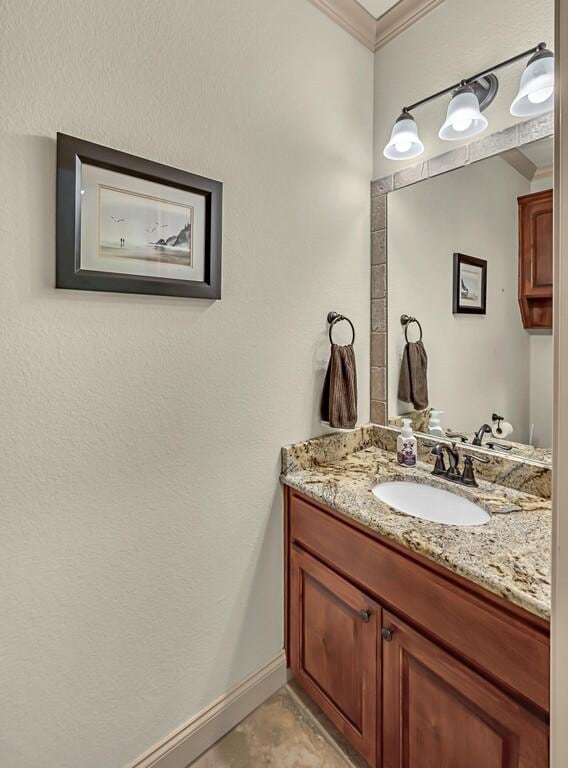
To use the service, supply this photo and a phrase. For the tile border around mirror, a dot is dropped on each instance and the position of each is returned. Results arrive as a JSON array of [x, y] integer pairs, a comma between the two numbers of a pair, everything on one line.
[[511, 138]]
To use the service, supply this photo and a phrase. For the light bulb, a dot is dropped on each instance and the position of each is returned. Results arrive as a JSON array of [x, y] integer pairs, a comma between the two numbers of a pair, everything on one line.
[[462, 123], [537, 97], [404, 142], [403, 145]]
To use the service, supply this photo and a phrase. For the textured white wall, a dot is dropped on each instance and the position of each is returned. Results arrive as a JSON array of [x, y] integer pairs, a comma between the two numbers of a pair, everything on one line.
[[541, 365], [141, 526], [476, 364], [541, 386], [456, 39]]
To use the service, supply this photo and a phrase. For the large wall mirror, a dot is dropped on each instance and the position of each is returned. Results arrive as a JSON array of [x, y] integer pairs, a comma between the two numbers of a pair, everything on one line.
[[468, 271]]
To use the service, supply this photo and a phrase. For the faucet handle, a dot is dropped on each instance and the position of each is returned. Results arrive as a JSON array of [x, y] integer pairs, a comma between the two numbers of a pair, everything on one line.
[[473, 457], [438, 452], [468, 476], [454, 459], [500, 446], [457, 436]]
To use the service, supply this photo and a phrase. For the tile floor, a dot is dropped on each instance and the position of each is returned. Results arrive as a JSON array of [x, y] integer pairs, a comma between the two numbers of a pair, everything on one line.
[[285, 732]]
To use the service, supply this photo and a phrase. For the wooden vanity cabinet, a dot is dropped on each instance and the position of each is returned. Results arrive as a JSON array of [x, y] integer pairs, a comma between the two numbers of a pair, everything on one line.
[[334, 651], [417, 667], [535, 259], [438, 712]]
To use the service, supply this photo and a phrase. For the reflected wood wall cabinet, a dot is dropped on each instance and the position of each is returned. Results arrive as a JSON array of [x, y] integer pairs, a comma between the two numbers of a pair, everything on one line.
[[416, 666], [535, 259]]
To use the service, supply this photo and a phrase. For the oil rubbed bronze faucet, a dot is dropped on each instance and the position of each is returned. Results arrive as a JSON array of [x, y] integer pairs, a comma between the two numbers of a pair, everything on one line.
[[484, 429], [452, 472]]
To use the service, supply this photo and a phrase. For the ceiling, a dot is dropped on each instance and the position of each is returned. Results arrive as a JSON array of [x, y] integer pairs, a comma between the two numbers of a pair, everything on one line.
[[540, 152], [377, 7]]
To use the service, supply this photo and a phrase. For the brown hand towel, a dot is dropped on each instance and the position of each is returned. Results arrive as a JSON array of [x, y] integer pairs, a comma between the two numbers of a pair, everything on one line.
[[413, 381], [339, 398]]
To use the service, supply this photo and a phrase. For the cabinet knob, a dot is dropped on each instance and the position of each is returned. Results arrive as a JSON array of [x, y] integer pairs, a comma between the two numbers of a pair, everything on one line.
[[365, 615], [387, 633]]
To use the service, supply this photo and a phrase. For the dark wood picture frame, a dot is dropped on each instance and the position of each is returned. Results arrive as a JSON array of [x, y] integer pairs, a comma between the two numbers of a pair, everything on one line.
[[71, 154], [458, 309]]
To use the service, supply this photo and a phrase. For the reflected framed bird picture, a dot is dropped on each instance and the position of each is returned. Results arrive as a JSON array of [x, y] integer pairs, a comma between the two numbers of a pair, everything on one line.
[[470, 285], [132, 225]]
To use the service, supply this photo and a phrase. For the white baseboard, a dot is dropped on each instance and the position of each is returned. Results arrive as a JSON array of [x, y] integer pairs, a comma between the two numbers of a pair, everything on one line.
[[193, 738]]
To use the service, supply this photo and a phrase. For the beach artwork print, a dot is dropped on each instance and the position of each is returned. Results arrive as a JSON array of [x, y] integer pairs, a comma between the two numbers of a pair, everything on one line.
[[469, 285], [126, 224], [135, 226]]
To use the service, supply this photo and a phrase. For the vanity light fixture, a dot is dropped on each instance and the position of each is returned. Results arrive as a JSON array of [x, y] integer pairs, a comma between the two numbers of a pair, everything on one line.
[[536, 92], [464, 118], [404, 142], [472, 96]]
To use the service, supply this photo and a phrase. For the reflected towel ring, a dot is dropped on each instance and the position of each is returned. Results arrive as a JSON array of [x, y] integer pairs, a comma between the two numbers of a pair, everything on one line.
[[406, 320], [335, 317]]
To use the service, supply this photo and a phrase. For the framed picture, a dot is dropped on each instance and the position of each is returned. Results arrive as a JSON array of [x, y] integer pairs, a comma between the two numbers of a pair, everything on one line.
[[131, 225], [470, 285]]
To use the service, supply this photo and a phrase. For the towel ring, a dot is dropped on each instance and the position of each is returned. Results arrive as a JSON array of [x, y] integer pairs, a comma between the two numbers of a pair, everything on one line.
[[406, 320], [335, 317]]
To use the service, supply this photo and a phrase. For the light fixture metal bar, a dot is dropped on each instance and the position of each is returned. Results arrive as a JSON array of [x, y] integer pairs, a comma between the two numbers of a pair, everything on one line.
[[473, 78]]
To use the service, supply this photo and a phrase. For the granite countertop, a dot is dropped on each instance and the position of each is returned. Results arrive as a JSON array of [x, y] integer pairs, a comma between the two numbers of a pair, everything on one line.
[[510, 555], [522, 450]]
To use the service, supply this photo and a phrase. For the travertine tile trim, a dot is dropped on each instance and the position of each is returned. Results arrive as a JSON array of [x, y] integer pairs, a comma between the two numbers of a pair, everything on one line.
[[489, 146]]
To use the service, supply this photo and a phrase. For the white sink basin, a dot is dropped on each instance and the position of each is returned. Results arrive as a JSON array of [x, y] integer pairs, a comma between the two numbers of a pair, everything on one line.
[[429, 503]]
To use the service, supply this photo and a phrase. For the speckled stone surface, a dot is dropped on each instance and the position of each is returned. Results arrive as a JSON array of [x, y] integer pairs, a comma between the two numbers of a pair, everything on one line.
[[420, 424], [515, 472], [509, 556]]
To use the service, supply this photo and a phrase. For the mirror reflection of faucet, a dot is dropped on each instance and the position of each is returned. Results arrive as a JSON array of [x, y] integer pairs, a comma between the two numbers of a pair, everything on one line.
[[485, 429]]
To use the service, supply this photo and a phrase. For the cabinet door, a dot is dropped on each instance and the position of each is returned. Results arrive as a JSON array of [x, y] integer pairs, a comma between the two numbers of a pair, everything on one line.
[[437, 713], [535, 259], [334, 649]]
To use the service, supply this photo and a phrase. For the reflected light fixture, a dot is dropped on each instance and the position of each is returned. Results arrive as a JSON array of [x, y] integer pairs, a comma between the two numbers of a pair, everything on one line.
[[404, 143], [472, 96]]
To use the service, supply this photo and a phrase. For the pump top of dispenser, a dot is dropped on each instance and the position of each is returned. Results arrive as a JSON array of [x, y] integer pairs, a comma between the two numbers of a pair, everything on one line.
[[406, 430], [434, 425]]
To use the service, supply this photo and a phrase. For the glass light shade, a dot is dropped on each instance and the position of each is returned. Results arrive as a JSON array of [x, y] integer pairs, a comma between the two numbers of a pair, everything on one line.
[[536, 91], [464, 118], [404, 143]]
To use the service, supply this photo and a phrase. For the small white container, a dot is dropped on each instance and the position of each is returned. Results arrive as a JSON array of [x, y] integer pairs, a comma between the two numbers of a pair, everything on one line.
[[434, 425], [406, 445]]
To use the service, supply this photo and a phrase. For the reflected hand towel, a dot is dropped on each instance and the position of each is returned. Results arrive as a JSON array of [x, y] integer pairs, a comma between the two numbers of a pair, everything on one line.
[[413, 381]]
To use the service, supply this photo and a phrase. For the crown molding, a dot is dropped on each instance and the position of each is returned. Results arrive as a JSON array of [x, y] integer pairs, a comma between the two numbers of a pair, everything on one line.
[[400, 17], [352, 17], [372, 32], [543, 173]]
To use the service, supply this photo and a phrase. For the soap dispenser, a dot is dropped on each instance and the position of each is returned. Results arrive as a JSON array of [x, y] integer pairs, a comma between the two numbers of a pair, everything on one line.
[[406, 445], [434, 425]]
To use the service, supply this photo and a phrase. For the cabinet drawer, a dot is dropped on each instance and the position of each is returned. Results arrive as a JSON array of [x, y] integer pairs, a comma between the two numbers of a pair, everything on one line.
[[478, 628]]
